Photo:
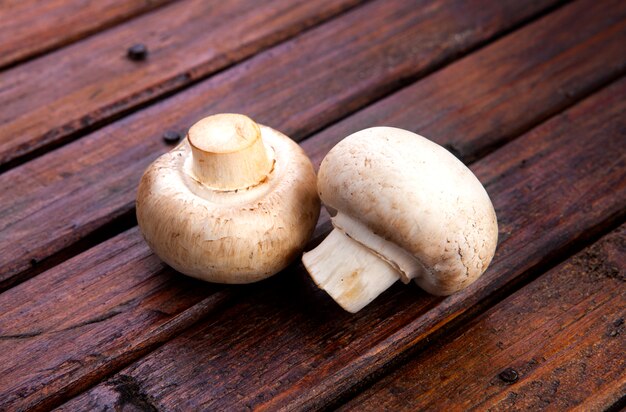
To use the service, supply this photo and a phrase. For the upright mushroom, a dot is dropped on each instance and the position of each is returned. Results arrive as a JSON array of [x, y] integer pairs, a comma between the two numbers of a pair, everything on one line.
[[405, 209], [234, 202]]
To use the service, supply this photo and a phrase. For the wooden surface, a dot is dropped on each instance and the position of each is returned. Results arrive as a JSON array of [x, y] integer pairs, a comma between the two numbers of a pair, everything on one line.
[[302, 94], [33, 27], [554, 344], [180, 51], [529, 93], [293, 348]]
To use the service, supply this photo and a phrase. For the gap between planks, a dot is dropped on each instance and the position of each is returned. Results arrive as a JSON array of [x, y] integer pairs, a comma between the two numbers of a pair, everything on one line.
[[593, 118], [550, 263], [35, 255], [596, 231], [62, 134], [514, 333], [495, 175], [105, 99], [70, 34], [202, 338]]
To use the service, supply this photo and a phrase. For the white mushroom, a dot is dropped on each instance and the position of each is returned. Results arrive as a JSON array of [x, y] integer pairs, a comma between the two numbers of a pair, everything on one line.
[[235, 202], [405, 209]]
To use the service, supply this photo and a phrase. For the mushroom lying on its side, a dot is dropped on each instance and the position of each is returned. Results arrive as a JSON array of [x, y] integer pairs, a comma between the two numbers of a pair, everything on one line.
[[235, 202], [405, 209]]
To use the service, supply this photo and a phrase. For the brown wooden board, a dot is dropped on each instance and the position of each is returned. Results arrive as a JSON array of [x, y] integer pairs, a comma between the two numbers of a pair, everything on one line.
[[94, 80], [286, 345], [557, 344], [540, 69], [297, 97], [32, 27], [131, 328], [90, 315], [136, 322]]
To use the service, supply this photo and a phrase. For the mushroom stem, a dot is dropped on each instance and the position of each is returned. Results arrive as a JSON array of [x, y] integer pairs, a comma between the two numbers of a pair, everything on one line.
[[228, 152], [348, 271], [354, 265]]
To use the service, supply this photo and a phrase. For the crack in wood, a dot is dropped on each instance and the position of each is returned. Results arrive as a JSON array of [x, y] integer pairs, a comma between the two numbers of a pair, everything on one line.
[[96, 319]]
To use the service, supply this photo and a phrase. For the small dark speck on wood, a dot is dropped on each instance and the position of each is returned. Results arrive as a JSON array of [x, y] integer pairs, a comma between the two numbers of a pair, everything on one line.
[[171, 137], [137, 52], [509, 375]]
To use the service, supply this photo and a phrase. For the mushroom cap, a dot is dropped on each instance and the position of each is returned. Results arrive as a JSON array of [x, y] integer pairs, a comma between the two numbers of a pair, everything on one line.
[[229, 236], [417, 195]]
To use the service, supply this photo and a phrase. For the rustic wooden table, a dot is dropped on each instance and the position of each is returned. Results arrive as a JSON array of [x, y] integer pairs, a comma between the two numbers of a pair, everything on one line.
[[531, 94]]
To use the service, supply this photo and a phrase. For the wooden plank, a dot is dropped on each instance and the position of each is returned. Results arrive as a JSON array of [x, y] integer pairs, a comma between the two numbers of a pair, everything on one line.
[[57, 379], [32, 27], [137, 323], [89, 316], [94, 80], [305, 92], [287, 346], [563, 336], [538, 69]]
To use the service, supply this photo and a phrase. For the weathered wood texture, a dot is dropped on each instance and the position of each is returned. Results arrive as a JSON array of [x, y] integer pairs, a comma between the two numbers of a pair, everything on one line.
[[138, 322], [94, 80], [32, 27], [282, 342], [564, 335], [306, 91], [539, 69], [140, 318], [287, 345], [91, 315]]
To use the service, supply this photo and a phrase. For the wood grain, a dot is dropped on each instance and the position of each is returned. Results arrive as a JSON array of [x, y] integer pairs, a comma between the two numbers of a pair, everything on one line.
[[302, 94], [87, 269], [288, 346], [539, 69], [51, 379], [92, 368], [89, 316], [32, 27], [563, 335], [94, 80]]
